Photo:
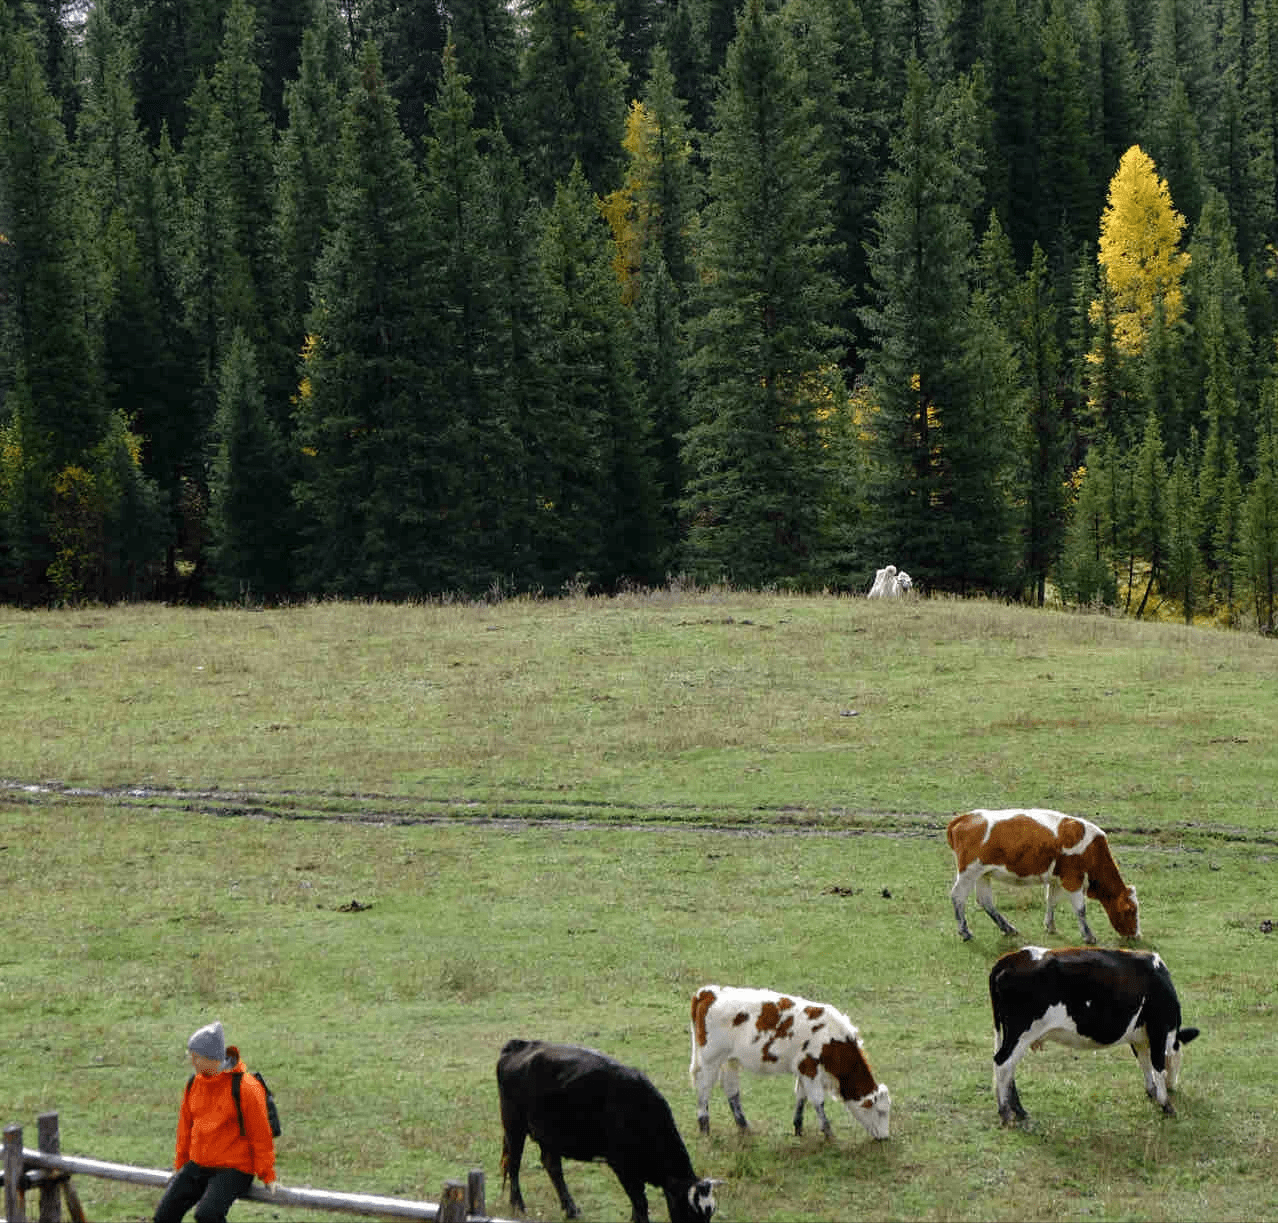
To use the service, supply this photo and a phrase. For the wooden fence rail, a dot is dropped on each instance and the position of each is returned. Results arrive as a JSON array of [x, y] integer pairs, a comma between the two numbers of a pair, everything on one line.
[[47, 1170]]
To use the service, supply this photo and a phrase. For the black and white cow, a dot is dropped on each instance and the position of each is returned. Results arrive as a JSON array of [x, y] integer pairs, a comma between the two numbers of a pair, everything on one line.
[[1085, 997], [581, 1104]]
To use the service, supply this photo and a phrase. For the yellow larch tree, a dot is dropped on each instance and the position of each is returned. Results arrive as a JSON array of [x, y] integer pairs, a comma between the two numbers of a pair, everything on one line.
[[1139, 251]]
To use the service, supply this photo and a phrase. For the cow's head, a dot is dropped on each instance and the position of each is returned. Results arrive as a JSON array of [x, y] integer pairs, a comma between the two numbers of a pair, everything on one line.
[[690, 1201], [1124, 913], [873, 1111]]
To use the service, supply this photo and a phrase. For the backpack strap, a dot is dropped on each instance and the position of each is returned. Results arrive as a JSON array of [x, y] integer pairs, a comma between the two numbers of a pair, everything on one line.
[[236, 1078]]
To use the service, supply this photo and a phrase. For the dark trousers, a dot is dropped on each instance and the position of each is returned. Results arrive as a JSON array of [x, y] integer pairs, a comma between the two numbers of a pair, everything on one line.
[[214, 1189]]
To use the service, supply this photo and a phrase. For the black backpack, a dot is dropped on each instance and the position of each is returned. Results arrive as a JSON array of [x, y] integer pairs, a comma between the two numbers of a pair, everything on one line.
[[272, 1113]]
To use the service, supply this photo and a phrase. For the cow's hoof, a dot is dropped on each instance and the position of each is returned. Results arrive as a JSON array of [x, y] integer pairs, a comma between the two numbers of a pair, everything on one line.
[[703, 1124], [965, 935]]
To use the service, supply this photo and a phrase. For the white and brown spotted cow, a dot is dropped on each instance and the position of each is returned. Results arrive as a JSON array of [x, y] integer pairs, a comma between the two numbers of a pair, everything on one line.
[[773, 1033], [1030, 845], [1085, 998]]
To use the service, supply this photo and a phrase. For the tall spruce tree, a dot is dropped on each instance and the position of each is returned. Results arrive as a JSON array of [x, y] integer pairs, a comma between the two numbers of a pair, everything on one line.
[[939, 365], [1035, 330], [1257, 558], [653, 218], [766, 342], [486, 44], [465, 251], [410, 37], [834, 47], [573, 95], [305, 167], [249, 498], [603, 520], [178, 43], [1150, 510], [371, 414], [53, 355]]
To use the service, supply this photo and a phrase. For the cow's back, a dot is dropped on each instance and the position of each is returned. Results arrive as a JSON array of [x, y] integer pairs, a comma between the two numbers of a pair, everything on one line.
[[1021, 843]]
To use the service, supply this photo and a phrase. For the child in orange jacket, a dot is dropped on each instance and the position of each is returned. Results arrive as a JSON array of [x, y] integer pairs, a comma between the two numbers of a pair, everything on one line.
[[216, 1160]]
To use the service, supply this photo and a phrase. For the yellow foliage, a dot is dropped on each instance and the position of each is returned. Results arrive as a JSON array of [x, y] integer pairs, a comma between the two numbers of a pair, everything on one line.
[[1139, 256], [626, 216]]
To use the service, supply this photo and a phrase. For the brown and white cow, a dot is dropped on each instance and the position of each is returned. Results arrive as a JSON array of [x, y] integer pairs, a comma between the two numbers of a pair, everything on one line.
[[1031, 845], [773, 1033]]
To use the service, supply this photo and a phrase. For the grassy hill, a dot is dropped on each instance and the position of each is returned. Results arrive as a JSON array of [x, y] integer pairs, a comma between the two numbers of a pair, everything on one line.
[[560, 818]]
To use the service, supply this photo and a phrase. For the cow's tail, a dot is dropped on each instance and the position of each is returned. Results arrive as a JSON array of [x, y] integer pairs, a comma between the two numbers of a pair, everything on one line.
[[695, 1064], [996, 989], [702, 1001]]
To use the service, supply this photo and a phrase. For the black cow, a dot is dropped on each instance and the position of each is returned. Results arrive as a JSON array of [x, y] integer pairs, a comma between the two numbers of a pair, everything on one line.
[[580, 1104], [1085, 997]]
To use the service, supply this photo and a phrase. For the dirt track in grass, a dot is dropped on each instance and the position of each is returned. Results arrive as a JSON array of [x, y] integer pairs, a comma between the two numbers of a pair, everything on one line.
[[382, 808]]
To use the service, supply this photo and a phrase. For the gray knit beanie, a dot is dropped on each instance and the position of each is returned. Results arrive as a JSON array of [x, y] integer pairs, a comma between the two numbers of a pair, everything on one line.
[[209, 1042]]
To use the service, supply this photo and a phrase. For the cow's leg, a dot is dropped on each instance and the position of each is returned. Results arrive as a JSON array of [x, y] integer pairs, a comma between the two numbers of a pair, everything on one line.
[[1006, 1056], [1152, 1055], [958, 895], [798, 1110], [512, 1152], [704, 1075], [1079, 901], [1049, 920], [555, 1170], [732, 1089], [634, 1187], [985, 897]]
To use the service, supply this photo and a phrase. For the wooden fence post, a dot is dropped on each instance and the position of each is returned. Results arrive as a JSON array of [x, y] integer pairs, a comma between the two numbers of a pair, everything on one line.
[[452, 1203], [475, 1194], [15, 1203], [49, 1143]]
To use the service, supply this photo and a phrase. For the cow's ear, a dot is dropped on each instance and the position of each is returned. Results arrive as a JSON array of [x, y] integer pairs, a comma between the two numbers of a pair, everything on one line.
[[1185, 1035]]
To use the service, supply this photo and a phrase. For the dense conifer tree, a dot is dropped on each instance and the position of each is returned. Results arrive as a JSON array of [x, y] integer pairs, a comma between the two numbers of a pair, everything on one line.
[[602, 517], [371, 414], [1086, 570], [654, 218], [486, 44], [766, 342], [573, 95], [305, 167], [696, 39], [410, 37], [833, 46], [1034, 329], [250, 507], [932, 354], [1257, 561], [465, 248], [178, 42], [1183, 566], [53, 350]]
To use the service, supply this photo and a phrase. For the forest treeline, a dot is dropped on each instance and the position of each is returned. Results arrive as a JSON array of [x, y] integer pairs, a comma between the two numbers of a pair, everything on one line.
[[403, 298]]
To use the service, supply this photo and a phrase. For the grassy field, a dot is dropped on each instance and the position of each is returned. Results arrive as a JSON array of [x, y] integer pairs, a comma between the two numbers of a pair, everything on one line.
[[559, 819]]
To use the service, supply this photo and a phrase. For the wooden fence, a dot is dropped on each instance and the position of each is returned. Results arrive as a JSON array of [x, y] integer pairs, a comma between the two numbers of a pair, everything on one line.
[[47, 1170]]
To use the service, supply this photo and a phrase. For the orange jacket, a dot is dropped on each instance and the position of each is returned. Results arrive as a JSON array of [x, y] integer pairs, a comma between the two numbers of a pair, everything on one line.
[[208, 1129]]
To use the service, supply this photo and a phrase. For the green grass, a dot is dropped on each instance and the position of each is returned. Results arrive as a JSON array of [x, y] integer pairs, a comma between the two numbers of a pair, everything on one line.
[[564, 818]]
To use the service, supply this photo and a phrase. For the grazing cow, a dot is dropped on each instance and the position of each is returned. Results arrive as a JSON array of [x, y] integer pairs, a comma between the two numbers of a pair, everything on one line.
[[1085, 998], [1028, 845], [580, 1104], [890, 582], [773, 1033]]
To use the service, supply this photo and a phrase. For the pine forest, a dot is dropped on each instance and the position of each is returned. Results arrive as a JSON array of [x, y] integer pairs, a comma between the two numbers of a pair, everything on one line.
[[409, 299]]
